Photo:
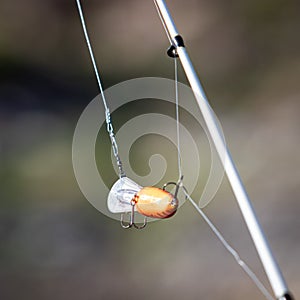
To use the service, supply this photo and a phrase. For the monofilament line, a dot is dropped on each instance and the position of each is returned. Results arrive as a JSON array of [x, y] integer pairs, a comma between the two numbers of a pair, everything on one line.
[[233, 252], [177, 118], [107, 113], [91, 53]]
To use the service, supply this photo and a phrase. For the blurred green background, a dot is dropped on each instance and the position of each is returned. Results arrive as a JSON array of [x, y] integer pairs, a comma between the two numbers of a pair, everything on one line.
[[53, 243]]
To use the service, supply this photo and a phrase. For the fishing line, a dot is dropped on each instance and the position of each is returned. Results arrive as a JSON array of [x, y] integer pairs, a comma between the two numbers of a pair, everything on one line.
[[177, 119], [231, 250], [227, 246], [110, 128], [163, 23], [91, 53]]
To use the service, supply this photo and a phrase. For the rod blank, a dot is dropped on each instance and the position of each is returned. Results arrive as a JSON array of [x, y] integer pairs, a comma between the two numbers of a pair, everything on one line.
[[271, 268]]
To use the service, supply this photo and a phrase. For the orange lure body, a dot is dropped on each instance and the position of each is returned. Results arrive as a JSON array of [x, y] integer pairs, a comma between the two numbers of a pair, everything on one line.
[[155, 203]]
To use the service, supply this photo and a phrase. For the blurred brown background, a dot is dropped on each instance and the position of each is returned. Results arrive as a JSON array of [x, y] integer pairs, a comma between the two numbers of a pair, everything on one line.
[[53, 243]]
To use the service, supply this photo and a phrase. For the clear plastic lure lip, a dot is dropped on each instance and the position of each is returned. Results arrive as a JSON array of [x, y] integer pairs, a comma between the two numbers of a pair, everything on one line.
[[121, 194]]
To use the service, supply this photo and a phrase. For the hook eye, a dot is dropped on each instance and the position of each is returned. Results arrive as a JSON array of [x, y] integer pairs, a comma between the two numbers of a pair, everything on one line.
[[177, 184], [167, 184]]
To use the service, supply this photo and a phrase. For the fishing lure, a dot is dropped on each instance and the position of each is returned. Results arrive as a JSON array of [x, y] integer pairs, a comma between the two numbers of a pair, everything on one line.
[[127, 196]]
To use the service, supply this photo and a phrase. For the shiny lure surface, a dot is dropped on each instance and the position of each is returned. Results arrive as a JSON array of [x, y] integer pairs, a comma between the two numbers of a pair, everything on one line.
[[125, 195], [155, 203]]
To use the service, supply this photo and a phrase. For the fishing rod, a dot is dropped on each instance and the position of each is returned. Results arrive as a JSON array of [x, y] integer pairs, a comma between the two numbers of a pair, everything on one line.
[[269, 263]]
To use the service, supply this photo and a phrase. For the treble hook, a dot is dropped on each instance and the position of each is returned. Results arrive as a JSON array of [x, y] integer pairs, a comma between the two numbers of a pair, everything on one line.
[[131, 220]]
